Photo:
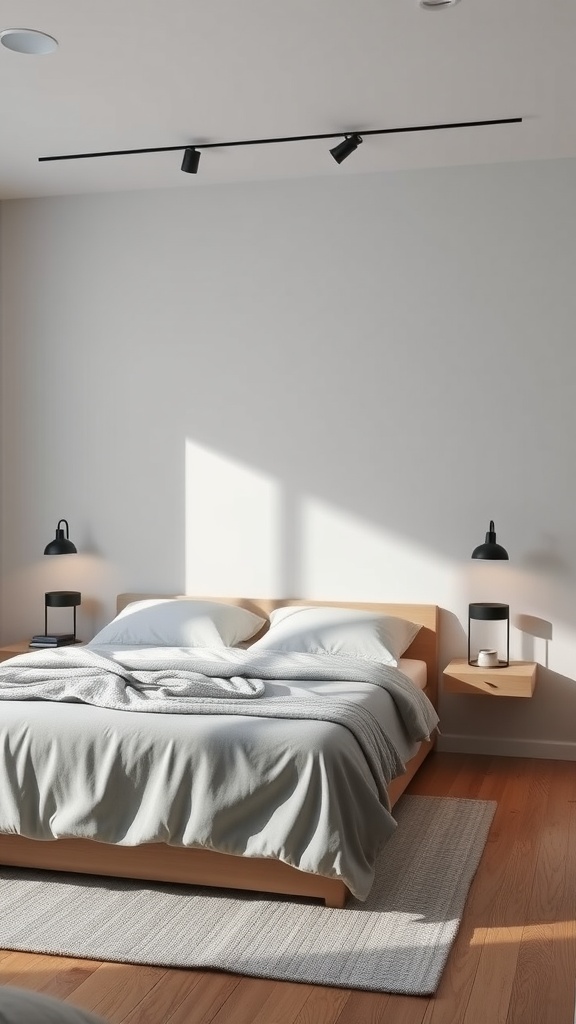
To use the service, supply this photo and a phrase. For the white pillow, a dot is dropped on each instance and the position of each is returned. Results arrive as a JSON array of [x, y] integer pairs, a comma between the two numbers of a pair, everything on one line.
[[179, 622], [350, 631]]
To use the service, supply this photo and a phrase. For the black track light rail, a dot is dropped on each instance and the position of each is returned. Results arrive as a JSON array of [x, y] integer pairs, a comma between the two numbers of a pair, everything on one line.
[[286, 138]]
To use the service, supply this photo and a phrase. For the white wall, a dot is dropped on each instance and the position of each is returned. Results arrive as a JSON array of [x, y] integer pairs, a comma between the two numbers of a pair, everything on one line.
[[322, 388]]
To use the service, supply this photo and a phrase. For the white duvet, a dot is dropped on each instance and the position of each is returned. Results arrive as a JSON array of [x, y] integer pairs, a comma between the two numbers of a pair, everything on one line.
[[242, 777]]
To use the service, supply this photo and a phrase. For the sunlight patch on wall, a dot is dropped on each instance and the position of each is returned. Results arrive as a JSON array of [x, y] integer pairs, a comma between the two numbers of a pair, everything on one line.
[[232, 526], [346, 557]]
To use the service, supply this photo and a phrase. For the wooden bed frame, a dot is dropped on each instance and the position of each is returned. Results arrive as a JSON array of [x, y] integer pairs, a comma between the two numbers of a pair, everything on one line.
[[191, 866]]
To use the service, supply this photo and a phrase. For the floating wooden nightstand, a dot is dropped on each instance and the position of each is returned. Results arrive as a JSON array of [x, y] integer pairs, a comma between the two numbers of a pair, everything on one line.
[[23, 647], [11, 650], [518, 679]]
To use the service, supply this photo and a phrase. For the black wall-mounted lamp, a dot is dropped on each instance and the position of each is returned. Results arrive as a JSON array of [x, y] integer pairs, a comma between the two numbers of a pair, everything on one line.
[[61, 545], [490, 549]]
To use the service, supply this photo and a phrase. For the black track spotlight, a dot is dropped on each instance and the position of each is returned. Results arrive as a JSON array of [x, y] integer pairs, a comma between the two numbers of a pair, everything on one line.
[[190, 160], [344, 148]]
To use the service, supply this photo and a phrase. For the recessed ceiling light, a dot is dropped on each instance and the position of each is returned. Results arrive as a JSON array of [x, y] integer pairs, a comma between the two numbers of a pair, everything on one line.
[[436, 5], [28, 40]]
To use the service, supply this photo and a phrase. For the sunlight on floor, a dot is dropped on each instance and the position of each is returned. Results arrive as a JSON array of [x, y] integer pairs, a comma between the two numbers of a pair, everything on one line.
[[551, 931]]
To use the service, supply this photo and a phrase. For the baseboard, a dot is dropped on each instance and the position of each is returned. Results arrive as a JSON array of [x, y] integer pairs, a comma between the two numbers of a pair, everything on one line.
[[507, 746]]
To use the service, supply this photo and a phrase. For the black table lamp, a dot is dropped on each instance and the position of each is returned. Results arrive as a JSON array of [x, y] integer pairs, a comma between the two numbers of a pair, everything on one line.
[[489, 611], [62, 599]]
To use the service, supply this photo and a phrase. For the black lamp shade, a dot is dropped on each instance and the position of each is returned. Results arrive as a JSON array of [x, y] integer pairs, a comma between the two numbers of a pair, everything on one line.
[[490, 549], [61, 545], [62, 598]]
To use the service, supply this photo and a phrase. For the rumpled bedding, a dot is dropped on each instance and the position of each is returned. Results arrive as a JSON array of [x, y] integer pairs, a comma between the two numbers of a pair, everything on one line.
[[292, 766]]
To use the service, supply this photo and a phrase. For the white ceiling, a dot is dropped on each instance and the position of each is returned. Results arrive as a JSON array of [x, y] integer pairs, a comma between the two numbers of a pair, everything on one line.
[[140, 73]]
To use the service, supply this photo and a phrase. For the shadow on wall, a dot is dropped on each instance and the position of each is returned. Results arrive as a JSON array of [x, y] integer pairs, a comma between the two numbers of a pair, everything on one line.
[[533, 628]]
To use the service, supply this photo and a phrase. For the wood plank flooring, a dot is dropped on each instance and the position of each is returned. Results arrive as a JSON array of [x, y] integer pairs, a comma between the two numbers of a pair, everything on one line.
[[514, 960]]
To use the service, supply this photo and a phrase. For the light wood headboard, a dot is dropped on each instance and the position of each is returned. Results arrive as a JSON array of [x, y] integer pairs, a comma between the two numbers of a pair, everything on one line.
[[424, 646]]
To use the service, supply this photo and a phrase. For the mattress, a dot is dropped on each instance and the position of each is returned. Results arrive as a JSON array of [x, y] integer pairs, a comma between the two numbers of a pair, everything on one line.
[[417, 671], [298, 791]]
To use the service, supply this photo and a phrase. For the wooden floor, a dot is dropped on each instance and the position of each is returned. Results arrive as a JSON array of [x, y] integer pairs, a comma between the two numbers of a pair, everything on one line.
[[514, 960]]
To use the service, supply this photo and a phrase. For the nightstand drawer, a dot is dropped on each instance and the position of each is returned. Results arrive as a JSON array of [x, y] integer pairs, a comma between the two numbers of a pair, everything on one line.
[[518, 679]]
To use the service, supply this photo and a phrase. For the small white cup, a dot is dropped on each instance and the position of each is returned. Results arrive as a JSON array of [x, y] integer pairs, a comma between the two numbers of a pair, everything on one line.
[[487, 657]]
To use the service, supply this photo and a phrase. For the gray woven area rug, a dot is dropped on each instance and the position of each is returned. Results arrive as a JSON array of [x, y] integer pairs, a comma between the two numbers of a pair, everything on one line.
[[398, 941]]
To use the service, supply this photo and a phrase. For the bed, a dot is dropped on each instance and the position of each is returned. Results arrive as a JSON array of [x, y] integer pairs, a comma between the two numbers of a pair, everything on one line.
[[201, 865]]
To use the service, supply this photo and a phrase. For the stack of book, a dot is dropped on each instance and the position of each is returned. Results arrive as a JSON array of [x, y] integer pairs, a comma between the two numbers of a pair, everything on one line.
[[52, 640]]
